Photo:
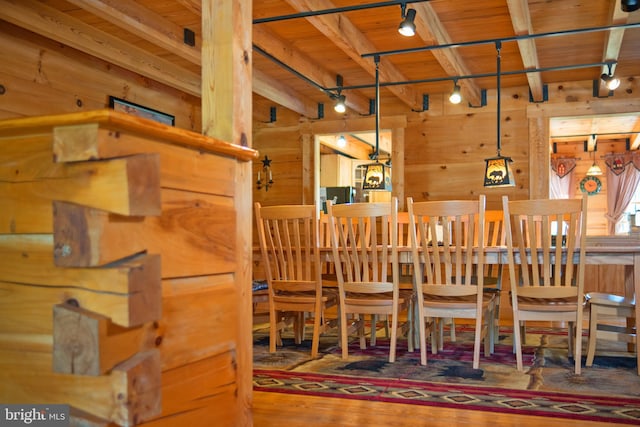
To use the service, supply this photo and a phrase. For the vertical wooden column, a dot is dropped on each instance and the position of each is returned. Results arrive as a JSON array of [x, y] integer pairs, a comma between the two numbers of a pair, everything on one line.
[[308, 170], [226, 114], [397, 169]]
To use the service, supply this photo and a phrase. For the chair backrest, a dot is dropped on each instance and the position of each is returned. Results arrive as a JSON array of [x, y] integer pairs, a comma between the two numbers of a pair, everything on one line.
[[289, 242], [403, 229], [494, 233], [448, 267], [548, 237], [366, 244], [325, 236]]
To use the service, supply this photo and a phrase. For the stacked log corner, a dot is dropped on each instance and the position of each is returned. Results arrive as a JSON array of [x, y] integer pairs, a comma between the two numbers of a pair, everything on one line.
[[117, 270]]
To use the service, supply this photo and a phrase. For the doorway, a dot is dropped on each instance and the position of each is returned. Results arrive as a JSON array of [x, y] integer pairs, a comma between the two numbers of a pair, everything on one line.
[[342, 159], [587, 139]]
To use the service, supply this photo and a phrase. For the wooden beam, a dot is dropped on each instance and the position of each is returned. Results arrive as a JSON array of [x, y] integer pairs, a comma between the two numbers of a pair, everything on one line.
[[521, 19], [227, 114], [305, 65], [354, 148], [50, 23], [432, 32], [346, 36], [137, 19], [279, 93]]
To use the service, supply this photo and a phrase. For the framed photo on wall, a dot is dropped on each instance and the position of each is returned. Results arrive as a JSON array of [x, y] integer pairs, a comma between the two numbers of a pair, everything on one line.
[[141, 111]]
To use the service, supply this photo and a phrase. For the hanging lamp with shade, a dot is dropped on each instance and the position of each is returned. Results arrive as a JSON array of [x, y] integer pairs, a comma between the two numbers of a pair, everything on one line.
[[594, 169], [377, 176], [497, 172]]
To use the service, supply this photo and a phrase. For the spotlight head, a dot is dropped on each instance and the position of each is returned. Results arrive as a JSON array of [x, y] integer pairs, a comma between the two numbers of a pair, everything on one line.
[[629, 5], [407, 27], [611, 82], [455, 97], [340, 106]]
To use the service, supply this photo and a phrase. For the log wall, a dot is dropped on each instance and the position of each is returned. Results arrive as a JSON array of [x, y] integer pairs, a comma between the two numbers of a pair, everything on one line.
[[118, 271]]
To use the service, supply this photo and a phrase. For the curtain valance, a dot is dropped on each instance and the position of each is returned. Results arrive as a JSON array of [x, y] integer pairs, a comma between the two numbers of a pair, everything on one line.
[[618, 162], [563, 166]]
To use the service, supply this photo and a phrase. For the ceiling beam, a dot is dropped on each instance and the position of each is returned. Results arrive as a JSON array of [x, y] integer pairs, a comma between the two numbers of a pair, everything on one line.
[[194, 6], [145, 24], [50, 23], [313, 70], [430, 29], [277, 92], [346, 36], [613, 37], [612, 41], [354, 148], [521, 20]]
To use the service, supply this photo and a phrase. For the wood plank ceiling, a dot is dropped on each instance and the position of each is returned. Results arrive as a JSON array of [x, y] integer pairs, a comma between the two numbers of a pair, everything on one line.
[[297, 59]]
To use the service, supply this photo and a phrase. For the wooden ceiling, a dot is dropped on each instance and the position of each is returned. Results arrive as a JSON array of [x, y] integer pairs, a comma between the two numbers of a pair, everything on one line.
[[297, 58]]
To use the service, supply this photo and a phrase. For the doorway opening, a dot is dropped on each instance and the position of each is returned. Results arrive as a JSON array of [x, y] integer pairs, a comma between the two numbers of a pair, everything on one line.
[[342, 159]]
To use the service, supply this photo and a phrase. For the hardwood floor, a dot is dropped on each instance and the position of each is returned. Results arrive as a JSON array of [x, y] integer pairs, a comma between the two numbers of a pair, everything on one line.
[[276, 409]]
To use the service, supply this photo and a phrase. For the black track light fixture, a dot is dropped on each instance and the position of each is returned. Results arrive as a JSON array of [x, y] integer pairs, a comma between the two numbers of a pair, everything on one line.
[[407, 27], [611, 81]]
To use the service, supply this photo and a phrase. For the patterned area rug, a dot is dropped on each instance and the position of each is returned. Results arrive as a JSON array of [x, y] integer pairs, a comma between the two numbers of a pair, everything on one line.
[[609, 391]]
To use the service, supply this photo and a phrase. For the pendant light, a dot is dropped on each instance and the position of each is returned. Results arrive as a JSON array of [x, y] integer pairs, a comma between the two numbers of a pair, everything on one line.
[[497, 171], [377, 176]]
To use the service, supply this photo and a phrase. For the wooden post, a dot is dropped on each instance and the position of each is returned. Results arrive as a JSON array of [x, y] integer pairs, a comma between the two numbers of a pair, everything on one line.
[[227, 115]]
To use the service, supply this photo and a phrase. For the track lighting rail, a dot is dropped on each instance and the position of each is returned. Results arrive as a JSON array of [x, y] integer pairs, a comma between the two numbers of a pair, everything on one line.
[[480, 75], [335, 10], [503, 40]]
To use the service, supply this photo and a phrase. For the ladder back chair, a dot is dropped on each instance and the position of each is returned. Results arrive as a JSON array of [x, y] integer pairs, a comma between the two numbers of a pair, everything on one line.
[[447, 283], [612, 317], [289, 243], [364, 244], [546, 254]]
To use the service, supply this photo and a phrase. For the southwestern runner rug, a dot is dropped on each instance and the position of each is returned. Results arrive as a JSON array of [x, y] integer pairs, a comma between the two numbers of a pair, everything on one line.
[[609, 391]]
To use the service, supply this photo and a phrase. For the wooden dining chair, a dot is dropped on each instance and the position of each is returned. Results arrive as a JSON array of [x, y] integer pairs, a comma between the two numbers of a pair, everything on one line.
[[364, 244], [289, 244], [546, 254], [446, 281], [611, 317]]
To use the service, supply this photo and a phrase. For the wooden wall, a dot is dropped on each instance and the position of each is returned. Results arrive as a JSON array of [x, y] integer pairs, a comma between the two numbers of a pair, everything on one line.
[[41, 77]]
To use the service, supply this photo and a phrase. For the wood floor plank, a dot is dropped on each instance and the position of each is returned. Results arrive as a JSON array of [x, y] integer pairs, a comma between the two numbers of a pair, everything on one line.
[[278, 409]]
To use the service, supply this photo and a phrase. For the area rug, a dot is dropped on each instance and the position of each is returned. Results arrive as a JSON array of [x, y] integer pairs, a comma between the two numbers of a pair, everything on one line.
[[609, 391]]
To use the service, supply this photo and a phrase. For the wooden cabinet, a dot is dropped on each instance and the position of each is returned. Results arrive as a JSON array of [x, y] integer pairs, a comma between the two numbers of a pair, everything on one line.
[[335, 171], [118, 270]]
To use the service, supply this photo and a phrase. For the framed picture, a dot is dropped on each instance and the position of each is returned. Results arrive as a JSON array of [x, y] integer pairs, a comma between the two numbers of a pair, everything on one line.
[[141, 111]]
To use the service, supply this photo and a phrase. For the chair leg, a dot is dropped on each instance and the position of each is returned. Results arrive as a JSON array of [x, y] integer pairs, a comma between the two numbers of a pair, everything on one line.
[[571, 337], [422, 339], [516, 342], [374, 327], [363, 338], [343, 333], [578, 345], [315, 339], [593, 334], [476, 344], [452, 331], [394, 337]]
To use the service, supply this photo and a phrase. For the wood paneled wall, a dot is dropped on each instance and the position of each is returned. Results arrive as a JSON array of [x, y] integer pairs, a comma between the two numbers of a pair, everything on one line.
[[41, 77]]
